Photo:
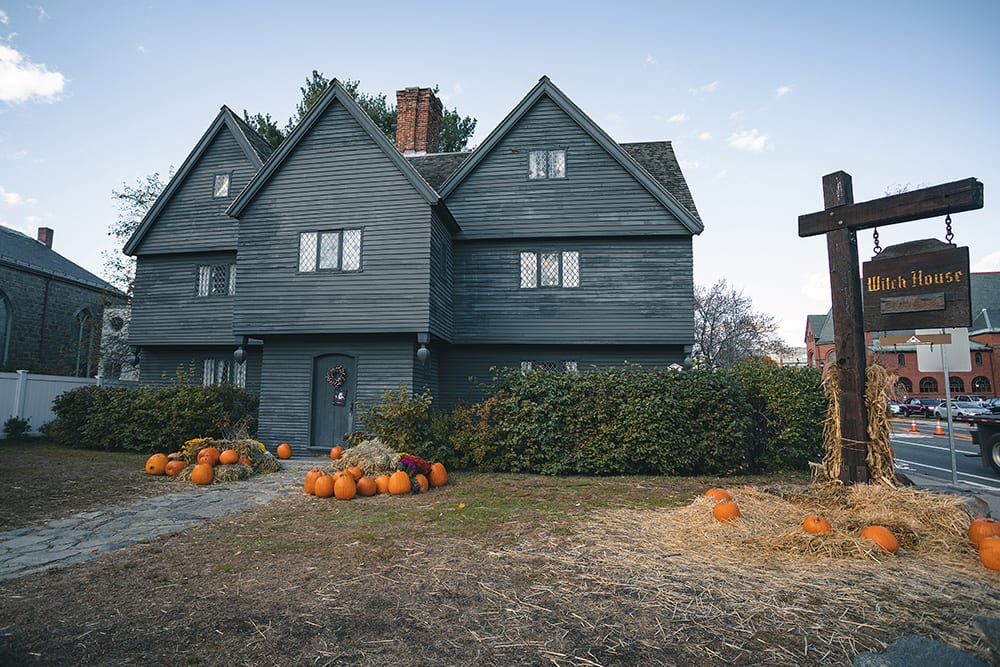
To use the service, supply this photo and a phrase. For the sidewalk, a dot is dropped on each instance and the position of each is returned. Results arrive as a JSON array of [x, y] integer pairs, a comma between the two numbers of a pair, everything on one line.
[[87, 535], [989, 497]]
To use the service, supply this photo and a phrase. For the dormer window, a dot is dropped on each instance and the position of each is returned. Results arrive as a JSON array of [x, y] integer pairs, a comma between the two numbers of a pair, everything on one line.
[[221, 187], [546, 164]]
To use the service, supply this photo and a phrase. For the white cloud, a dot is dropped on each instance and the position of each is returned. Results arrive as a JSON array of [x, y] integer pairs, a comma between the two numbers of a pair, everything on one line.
[[817, 288], [690, 164], [990, 262], [140, 49], [3, 17], [783, 90], [678, 118], [748, 140], [650, 60], [707, 88], [705, 135], [14, 199], [736, 115], [42, 14], [22, 80]]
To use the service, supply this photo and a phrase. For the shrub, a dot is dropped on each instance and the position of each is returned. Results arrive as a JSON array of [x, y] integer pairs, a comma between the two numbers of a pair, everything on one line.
[[15, 427], [147, 419], [400, 419]]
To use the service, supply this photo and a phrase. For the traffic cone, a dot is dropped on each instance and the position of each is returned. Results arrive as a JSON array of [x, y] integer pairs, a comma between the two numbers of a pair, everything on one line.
[[913, 427], [938, 430]]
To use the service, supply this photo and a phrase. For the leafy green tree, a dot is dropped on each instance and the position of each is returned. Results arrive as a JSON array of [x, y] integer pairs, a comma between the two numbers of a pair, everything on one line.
[[132, 202]]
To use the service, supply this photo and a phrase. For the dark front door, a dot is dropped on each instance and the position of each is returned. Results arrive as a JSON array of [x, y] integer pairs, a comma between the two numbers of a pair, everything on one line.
[[334, 384]]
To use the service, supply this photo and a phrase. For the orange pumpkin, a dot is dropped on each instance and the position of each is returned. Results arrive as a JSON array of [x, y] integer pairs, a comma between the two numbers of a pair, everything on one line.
[[981, 528], [174, 467], [156, 464], [173, 455], [423, 482], [323, 486], [309, 486], [228, 457], [382, 484], [366, 487], [355, 472], [345, 488], [246, 461], [203, 473], [989, 552], [336, 452], [284, 451], [719, 495], [439, 476], [816, 524], [399, 483], [209, 455], [881, 536], [725, 510]]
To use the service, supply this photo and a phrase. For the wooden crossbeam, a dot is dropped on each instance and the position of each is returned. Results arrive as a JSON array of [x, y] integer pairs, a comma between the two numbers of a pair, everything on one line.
[[964, 195]]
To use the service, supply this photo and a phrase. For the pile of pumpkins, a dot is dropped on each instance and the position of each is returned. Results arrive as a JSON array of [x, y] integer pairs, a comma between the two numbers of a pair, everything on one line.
[[984, 533], [204, 469], [352, 482]]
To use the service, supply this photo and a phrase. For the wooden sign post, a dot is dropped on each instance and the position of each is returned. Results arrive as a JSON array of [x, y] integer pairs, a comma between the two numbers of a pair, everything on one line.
[[840, 220]]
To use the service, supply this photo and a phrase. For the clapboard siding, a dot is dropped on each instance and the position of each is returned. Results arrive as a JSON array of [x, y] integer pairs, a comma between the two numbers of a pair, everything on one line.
[[442, 283], [632, 290], [337, 178], [467, 370], [597, 196], [162, 366], [193, 220], [166, 308], [382, 362]]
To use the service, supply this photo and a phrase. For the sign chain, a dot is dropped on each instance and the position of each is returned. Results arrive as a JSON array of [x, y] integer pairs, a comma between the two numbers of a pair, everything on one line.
[[948, 236], [877, 248]]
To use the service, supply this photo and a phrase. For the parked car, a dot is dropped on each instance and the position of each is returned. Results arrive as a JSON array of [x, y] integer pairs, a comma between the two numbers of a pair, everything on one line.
[[894, 408], [922, 407], [992, 404], [971, 398], [960, 409]]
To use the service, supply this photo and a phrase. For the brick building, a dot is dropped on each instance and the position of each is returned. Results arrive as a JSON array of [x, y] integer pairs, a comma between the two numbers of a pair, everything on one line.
[[50, 308], [984, 339]]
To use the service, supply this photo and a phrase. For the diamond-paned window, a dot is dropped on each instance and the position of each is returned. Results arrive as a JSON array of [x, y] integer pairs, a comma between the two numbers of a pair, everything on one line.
[[223, 371], [570, 366], [329, 250], [204, 279], [217, 279], [571, 269], [550, 269], [307, 251], [529, 269], [220, 187], [546, 164], [220, 279], [352, 250]]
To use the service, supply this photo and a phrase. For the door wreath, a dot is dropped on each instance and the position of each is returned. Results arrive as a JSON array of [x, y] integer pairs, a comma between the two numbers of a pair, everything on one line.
[[336, 376]]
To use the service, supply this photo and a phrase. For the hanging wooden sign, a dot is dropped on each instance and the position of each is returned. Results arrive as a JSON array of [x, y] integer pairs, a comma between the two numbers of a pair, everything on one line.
[[920, 284]]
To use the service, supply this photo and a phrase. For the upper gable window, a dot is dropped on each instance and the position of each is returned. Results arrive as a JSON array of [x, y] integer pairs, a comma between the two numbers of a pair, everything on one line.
[[335, 250], [221, 187], [547, 164], [217, 279]]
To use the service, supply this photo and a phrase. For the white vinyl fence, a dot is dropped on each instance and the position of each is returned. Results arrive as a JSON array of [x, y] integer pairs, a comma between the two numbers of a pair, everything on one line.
[[27, 396]]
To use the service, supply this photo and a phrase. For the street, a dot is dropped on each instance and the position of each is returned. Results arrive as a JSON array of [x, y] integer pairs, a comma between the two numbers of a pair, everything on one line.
[[928, 454]]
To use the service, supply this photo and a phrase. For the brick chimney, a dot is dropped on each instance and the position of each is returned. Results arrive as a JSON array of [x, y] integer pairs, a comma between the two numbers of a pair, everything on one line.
[[418, 121], [45, 236]]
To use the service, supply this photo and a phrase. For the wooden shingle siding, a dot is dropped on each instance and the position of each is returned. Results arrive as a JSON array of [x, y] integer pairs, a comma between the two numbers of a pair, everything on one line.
[[193, 220], [382, 362], [597, 196], [167, 310], [466, 369], [337, 178], [632, 290], [165, 366]]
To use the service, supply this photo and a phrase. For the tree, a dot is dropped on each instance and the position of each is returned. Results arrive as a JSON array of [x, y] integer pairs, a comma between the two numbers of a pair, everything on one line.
[[455, 130], [727, 329], [132, 202]]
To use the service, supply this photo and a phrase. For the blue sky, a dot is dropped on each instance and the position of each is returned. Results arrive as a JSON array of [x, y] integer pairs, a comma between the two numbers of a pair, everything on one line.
[[760, 99]]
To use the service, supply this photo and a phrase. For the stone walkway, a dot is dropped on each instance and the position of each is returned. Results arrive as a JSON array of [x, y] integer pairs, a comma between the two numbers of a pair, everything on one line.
[[87, 535]]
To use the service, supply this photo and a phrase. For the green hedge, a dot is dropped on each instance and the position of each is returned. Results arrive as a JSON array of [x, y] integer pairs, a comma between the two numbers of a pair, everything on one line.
[[146, 419], [755, 417]]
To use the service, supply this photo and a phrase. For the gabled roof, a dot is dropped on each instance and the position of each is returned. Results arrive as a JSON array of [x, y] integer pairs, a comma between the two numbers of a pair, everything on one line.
[[22, 251], [821, 327], [548, 89], [253, 145], [437, 167], [335, 91]]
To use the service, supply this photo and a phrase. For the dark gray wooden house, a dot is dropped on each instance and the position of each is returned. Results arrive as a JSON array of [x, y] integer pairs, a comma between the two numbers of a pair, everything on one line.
[[342, 265]]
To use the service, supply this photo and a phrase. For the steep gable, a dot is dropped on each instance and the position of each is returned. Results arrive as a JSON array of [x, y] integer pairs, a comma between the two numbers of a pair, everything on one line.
[[188, 216], [605, 190]]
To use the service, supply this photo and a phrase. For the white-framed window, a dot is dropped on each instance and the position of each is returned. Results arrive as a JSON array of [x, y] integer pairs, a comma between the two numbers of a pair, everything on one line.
[[217, 280], [546, 164], [566, 366], [550, 269], [570, 366], [220, 186], [338, 250], [224, 371]]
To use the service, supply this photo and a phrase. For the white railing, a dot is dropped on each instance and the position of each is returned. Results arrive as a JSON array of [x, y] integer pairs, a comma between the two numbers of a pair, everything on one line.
[[27, 396]]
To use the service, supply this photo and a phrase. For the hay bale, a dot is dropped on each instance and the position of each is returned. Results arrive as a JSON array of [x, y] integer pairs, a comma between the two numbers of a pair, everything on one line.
[[233, 472], [371, 456]]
